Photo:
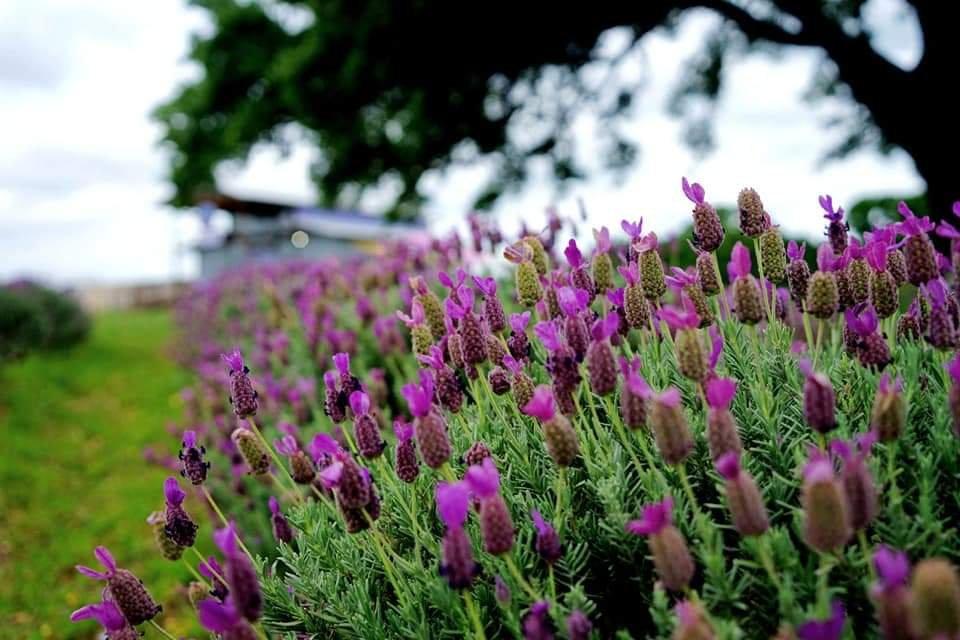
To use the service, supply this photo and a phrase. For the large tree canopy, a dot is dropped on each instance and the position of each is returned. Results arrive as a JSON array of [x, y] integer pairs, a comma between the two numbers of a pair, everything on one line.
[[388, 89]]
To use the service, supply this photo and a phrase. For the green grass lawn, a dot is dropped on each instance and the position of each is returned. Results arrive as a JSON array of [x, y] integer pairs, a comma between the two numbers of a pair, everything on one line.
[[72, 476]]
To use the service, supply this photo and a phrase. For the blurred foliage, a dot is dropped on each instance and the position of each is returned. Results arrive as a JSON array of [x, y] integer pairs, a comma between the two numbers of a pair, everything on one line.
[[387, 90], [72, 474], [34, 317]]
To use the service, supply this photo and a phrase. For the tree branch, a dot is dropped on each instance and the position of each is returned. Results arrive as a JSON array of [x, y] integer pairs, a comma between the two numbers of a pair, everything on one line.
[[754, 28]]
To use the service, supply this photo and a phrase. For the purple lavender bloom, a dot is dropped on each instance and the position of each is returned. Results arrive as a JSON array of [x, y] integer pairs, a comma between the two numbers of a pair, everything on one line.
[[109, 617], [212, 571], [240, 574], [194, 467], [633, 229], [496, 524], [602, 238], [178, 525], [859, 487], [224, 618], [656, 517], [282, 530], [547, 542], [573, 254], [242, 395], [893, 568], [829, 629], [457, 564], [578, 625], [536, 623], [125, 589], [740, 264]]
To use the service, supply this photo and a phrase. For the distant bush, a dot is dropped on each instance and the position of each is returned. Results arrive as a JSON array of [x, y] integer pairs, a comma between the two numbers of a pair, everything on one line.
[[34, 317]]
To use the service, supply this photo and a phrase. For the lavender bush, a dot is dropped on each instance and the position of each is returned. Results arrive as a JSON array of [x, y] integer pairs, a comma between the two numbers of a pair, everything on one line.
[[392, 448]]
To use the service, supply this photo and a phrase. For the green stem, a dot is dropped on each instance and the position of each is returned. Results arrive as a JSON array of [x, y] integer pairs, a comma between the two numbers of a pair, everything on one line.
[[384, 560], [223, 519], [194, 573], [162, 631], [823, 591], [766, 559], [767, 304], [723, 288], [515, 572], [865, 548], [816, 347], [560, 490], [474, 615]]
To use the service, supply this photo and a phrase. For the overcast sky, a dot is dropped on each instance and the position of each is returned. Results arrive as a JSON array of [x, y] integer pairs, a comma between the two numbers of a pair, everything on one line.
[[81, 177]]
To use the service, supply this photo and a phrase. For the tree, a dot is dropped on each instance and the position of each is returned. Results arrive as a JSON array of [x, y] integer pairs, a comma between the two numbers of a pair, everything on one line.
[[388, 89]]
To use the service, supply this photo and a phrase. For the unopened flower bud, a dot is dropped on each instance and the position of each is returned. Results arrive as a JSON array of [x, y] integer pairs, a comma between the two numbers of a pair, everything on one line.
[[670, 428], [406, 464], [753, 220], [747, 510], [722, 434], [692, 622], [889, 414], [935, 599], [242, 395], [578, 625], [897, 266], [707, 274], [196, 592], [476, 454], [547, 542], [671, 557], [773, 255], [252, 450], [169, 549], [823, 295], [819, 400], [826, 520], [540, 259], [282, 531]]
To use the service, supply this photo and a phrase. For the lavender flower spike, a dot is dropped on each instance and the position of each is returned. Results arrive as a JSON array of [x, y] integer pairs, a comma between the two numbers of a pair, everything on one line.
[[178, 526], [125, 589], [191, 457], [547, 541], [829, 629]]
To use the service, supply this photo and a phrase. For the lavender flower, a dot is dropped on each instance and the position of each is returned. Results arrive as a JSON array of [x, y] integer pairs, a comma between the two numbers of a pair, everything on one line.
[[819, 399], [859, 487], [125, 589], [826, 521], [691, 355], [953, 368], [518, 344], [476, 454], [332, 404], [635, 304], [547, 542], [829, 629], [501, 592], [536, 623], [823, 290], [110, 618], [687, 285], [366, 431], [889, 414], [191, 458], [722, 433], [213, 572], [431, 305], [472, 340], [707, 228], [748, 305], [692, 622], [670, 428], [671, 557], [602, 266], [242, 396], [178, 525], [407, 465], [941, 330], [798, 272], [744, 500], [559, 435], [884, 291], [240, 574], [578, 625], [872, 349], [753, 220], [529, 290], [633, 394], [282, 531], [578, 273], [421, 336], [521, 384], [496, 525], [492, 309], [302, 469], [457, 564], [252, 450], [225, 619], [601, 363], [890, 593], [836, 228], [430, 427], [651, 266], [169, 549], [935, 599], [573, 303], [773, 255], [920, 256]]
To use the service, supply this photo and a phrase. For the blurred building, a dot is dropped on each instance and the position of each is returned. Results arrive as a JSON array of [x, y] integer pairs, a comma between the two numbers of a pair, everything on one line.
[[269, 231]]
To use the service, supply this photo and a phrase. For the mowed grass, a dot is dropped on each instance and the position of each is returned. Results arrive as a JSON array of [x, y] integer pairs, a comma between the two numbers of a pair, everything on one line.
[[73, 427]]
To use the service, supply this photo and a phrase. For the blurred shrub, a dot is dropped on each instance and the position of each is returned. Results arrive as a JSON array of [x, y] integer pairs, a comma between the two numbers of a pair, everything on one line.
[[34, 317]]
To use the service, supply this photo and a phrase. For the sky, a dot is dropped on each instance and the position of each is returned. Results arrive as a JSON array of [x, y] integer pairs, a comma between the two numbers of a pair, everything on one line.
[[82, 177]]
